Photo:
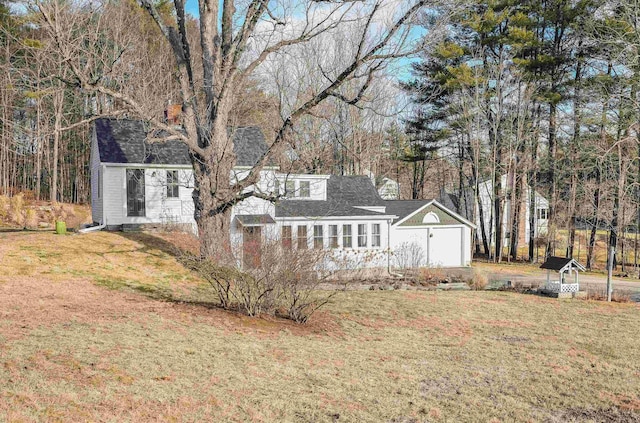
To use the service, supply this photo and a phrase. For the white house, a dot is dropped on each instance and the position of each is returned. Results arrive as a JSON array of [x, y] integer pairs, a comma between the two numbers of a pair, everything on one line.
[[136, 183], [485, 197]]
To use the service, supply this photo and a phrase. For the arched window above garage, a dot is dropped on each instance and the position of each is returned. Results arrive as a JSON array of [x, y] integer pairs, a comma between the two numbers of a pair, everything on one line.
[[431, 217]]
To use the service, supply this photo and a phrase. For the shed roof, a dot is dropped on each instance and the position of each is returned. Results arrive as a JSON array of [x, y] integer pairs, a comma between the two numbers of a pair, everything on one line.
[[255, 219], [559, 263], [124, 141]]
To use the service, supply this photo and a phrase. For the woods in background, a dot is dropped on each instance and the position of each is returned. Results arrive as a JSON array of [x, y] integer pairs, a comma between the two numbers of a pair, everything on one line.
[[545, 92]]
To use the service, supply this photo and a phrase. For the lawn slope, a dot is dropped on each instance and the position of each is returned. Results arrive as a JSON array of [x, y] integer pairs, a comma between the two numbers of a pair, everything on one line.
[[108, 327]]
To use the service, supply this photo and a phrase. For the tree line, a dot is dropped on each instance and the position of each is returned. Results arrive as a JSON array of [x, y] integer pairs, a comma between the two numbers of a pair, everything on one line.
[[543, 91], [547, 93]]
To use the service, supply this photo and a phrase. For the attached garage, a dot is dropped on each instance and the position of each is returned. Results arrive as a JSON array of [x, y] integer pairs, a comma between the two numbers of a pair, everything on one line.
[[430, 234]]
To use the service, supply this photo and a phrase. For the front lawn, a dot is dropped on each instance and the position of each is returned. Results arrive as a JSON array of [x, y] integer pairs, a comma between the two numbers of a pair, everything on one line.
[[106, 327]]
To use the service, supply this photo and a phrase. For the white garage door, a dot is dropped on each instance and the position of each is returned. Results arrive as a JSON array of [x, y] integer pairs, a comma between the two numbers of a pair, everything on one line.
[[445, 247]]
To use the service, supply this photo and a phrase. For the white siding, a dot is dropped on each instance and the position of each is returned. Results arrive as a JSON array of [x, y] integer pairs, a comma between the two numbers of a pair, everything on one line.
[[158, 208], [437, 245], [96, 191]]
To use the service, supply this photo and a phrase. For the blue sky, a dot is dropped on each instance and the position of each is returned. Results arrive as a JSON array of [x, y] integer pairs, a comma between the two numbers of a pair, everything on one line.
[[402, 67]]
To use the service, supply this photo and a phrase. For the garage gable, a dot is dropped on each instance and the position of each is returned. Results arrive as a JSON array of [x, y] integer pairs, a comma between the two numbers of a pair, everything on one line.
[[435, 216]]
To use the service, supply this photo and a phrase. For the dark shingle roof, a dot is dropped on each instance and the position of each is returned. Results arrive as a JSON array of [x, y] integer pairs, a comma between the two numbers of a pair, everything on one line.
[[403, 208], [344, 195], [123, 141], [557, 263]]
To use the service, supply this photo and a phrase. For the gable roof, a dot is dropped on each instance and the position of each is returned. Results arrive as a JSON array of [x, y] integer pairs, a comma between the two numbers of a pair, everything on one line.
[[344, 195], [403, 208], [124, 141], [407, 208], [559, 263]]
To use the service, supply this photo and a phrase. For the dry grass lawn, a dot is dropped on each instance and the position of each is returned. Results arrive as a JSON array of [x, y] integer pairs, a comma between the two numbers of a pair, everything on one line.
[[91, 330]]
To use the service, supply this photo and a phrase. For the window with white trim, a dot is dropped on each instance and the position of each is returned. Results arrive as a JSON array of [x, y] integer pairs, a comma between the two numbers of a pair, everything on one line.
[[173, 185], [318, 237], [290, 189], [286, 237], [375, 235], [333, 236], [302, 237], [362, 235], [347, 241], [305, 189]]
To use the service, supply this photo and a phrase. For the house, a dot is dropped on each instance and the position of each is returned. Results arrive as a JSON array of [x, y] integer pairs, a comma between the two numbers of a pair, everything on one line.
[[525, 231], [389, 189], [136, 183]]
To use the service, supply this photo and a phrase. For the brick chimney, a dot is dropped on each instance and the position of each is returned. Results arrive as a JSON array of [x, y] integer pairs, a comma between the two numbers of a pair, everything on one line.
[[173, 114]]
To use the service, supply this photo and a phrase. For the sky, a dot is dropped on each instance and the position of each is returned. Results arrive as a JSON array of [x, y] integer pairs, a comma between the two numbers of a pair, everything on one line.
[[401, 67]]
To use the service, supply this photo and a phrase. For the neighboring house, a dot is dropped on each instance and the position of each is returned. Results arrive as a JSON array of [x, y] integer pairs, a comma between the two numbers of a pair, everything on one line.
[[485, 197], [136, 183], [389, 189]]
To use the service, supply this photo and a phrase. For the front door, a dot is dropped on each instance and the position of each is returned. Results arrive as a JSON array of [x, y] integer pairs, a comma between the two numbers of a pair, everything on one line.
[[135, 192], [251, 245]]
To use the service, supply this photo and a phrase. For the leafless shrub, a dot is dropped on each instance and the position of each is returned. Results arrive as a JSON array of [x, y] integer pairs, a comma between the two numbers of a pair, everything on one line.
[[5, 204], [409, 255], [431, 275], [600, 294], [271, 279], [478, 280], [17, 212], [31, 219]]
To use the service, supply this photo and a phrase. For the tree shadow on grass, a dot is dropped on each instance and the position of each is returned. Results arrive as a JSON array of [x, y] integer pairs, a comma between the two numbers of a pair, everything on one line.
[[152, 242]]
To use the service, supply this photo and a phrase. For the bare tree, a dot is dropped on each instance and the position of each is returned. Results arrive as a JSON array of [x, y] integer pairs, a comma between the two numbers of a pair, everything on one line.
[[233, 39]]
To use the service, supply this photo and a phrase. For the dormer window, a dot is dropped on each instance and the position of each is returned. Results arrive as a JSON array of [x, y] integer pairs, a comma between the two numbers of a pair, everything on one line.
[[290, 189], [305, 189]]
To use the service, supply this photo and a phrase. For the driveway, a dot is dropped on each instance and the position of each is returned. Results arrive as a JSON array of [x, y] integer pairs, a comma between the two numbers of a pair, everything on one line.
[[536, 277]]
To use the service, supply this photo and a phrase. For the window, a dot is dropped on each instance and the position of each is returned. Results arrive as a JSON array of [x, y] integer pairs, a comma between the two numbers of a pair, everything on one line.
[[302, 237], [543, 214], [346, 236], [276, 187], [375, 235], [286, 237], [318, 237], [290, 188], [305, 189], [333, 236], [135, 192], [173, 187], [362, 235]]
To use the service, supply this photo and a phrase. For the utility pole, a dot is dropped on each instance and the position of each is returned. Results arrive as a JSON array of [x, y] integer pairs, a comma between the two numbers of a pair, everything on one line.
[[612, 251]]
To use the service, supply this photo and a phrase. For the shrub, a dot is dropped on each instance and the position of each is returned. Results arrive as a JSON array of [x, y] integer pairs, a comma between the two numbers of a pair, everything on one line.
[[283, 281], [16, 214], [409, 255], [5, 205], [31, 219], [478, 280], [431, 275]]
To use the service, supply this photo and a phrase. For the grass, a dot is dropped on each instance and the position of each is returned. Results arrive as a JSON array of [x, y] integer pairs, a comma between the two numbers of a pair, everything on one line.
[[84, 338]]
